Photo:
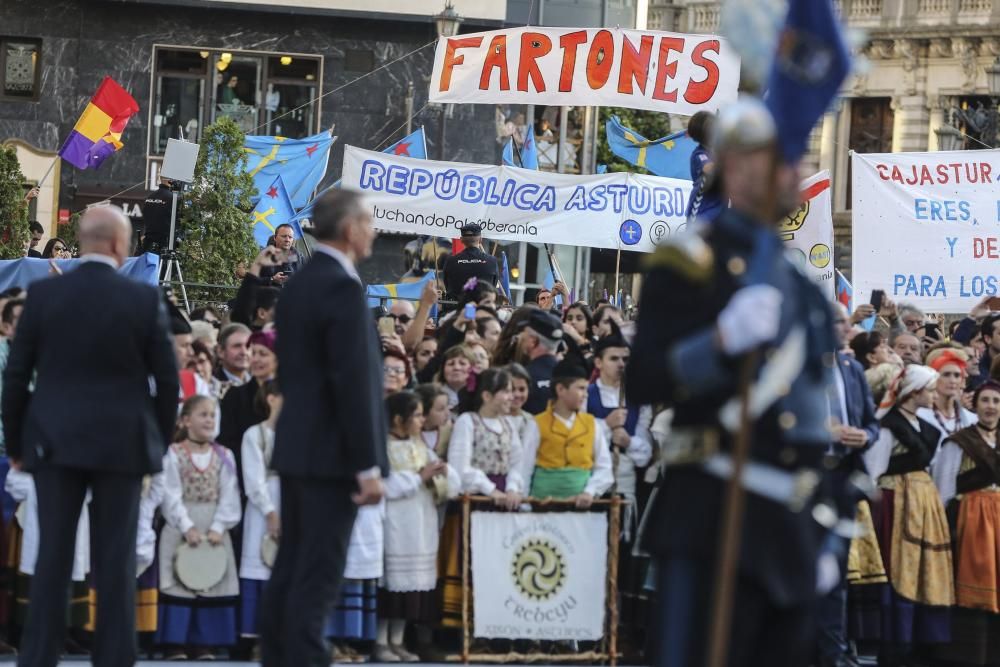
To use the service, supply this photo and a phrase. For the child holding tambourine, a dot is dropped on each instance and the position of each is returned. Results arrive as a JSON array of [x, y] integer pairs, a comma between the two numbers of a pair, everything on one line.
[[201, 504]]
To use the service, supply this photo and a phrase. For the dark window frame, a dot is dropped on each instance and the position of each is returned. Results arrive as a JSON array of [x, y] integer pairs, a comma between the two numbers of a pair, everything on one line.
[[208, 94], [37, 85]]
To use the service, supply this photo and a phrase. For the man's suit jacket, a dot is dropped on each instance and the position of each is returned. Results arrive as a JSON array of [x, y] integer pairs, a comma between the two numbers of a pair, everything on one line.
[[91, 341], [332, 424], [860, 404]]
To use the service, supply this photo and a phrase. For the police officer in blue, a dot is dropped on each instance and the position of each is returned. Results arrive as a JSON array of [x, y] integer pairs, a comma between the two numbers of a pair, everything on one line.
[[538, 340], [715, 298]]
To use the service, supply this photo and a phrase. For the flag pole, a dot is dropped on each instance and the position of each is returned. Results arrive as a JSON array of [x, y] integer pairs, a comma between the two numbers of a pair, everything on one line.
[[618, 264], [47, 173]]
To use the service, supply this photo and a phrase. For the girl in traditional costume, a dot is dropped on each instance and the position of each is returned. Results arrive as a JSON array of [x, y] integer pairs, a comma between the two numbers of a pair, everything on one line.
[[201, 505], [910, 520], [523, 421], [947, 414], [411, 529], [486, 452], [967, 474], [437, 418], [262, 520]]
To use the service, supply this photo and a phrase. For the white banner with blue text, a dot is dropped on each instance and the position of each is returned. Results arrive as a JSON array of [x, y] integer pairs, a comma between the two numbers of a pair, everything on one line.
[[615, 210], [927, 227], [539, 575]]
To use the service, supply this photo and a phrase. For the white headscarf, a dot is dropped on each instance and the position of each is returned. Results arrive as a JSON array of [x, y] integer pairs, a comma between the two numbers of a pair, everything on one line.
[[910, 380]]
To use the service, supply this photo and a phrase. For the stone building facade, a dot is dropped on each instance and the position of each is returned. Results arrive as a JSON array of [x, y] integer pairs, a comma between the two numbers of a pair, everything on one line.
[[922, 59], [346, 69]]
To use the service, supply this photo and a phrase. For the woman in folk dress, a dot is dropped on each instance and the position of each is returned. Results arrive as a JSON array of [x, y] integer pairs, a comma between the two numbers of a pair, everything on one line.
[[261, 517], [411, 529]]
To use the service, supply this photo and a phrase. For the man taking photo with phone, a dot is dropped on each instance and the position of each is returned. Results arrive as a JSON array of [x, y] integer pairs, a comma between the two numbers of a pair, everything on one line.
[[287, 261], [255, 300]]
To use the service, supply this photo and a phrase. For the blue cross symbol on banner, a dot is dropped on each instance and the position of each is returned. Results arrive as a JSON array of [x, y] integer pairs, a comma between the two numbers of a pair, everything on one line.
[[630, 232]]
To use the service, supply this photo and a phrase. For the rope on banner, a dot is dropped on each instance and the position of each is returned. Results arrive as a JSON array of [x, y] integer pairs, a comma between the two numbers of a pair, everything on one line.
[[385, 142], [349, 83]]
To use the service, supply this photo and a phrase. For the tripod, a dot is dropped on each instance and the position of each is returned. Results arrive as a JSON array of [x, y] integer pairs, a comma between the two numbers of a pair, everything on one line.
[[170, 260]]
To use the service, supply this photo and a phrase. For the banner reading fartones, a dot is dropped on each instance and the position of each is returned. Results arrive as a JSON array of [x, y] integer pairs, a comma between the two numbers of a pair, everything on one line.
[[808, 232], [926, 227], [539, 575], [658, 71], [618, 210]]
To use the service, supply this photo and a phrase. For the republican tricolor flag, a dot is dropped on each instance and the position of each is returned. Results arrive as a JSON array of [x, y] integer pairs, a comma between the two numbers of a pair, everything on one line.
[[98, 133]]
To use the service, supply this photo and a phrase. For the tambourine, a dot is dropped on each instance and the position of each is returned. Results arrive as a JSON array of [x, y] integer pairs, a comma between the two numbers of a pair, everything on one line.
[[268, 550], [200, 568], [438, 484]]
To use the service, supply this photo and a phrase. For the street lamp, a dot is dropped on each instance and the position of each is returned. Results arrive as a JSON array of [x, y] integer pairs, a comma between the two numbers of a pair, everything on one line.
[[447, 23], [949, 138]]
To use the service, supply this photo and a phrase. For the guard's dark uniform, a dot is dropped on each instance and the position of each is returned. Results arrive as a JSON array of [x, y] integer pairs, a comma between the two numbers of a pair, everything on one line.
[[676, 361], [540, 390], [470, 263]]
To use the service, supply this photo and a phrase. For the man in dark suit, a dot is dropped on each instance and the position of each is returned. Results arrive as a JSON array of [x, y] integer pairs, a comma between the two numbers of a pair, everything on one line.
[[330, 439], [90, 341], [852, 409]]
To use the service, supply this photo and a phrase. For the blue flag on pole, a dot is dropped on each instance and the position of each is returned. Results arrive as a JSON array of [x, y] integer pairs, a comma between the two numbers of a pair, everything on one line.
[[392, 291], [529, 152], [412, 145], [549, 282], [810, 64], [301, 163], [508, 153], [505, 275], [669, 156], [274, 208], [845, 292]]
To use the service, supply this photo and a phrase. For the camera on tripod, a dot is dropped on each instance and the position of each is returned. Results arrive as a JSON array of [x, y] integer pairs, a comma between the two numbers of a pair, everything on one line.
[[178, 167]]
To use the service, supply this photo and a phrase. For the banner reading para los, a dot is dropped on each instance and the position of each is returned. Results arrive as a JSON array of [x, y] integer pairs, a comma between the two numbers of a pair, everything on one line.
[[618, 210], [658, 71], [927, 227]]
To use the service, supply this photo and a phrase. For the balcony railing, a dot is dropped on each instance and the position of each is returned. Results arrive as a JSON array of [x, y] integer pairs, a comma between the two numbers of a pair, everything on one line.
[[952, 12], [703, 17]]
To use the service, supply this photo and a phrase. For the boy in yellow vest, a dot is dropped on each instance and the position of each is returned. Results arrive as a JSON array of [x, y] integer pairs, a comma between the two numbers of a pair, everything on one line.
[[570, 452]]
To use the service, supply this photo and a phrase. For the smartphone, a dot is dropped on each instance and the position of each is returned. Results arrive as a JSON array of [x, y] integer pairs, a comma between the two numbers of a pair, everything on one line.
[[993, 303], [877, 296], [386, 326], [469, 312], [932, 329]]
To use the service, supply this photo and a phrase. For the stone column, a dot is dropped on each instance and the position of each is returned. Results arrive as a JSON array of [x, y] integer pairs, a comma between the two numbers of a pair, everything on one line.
[[935, 107], [910, 122], [828, 139], [898, 122]]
